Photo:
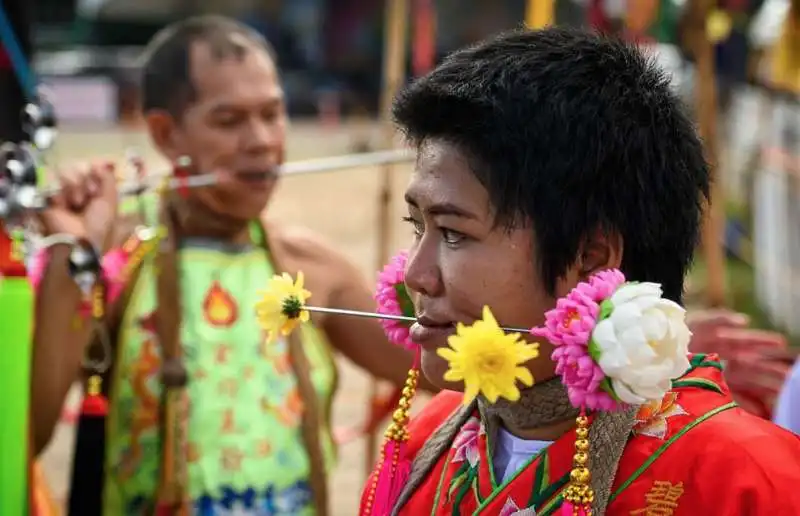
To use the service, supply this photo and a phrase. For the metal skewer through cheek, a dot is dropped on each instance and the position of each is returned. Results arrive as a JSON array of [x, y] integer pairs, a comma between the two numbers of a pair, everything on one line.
[[312, 166], [375, 315]]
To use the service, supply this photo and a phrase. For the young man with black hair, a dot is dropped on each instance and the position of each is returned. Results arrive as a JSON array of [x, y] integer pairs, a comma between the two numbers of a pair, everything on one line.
[[545, 157], [258, 430]]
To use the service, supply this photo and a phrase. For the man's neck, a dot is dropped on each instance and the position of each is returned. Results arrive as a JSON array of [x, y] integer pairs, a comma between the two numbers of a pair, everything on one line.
[[543, 412], [195, 220], [239, 237], [545, 433]]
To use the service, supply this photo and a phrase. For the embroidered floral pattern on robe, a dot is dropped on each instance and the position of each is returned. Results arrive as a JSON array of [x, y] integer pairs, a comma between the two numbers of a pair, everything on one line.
[[651, 420]]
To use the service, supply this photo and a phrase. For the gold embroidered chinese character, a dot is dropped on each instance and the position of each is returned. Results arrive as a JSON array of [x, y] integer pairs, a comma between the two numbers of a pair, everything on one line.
[[662, 499]]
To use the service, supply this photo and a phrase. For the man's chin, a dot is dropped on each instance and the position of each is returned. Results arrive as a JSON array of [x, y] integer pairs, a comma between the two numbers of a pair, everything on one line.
[[434, 367], [246, 208]]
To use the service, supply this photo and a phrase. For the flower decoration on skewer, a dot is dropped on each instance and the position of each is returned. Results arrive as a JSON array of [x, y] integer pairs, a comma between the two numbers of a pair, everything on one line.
[[488, 360], [282, 306], [393, 299], [617, 344]]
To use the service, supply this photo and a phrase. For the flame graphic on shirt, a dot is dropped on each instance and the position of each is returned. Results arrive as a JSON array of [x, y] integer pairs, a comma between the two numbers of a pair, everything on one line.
[[219, 307]]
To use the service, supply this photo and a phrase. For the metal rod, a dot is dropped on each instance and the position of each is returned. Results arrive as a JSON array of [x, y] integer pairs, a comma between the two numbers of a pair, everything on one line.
[[365, 159], [375, 315], [296, 168]]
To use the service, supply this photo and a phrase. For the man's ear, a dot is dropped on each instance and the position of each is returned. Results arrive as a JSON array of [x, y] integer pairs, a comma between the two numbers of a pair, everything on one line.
[[602, 250], [162, 128]]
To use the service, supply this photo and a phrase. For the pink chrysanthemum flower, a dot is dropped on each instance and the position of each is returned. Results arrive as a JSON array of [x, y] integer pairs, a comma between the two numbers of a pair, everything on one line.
[[393, 299], [569, 328], [583, 378], [605, 283]]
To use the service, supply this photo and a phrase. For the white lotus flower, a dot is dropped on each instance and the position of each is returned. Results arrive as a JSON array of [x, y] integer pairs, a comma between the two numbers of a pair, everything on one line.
[[643, 343]]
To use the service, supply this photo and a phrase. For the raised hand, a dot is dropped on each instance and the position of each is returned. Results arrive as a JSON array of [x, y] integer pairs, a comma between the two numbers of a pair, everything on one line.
[[86, 206]]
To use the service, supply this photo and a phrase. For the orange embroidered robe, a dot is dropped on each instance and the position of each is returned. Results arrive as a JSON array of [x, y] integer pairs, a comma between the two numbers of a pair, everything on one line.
[[694, 453]]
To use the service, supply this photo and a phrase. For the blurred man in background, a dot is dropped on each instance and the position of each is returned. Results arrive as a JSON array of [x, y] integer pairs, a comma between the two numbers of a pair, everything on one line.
[[258, 431]]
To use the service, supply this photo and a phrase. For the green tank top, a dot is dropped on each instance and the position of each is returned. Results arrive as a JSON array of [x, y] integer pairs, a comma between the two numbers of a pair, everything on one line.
[[244, 453]]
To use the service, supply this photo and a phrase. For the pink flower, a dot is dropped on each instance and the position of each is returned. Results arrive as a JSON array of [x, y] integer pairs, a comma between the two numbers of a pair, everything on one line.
[[572, 320], [605, 283], [114, 264], [466, 442], [392, 298], [582, 377], [569, 328]]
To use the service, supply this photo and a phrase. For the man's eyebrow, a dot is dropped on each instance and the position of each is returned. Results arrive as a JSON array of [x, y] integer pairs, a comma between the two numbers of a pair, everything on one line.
[[271, 102], [442, 208]]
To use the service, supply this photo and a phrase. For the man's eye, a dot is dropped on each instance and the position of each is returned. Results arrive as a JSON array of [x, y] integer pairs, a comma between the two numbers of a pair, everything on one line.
[[451, 237], [419, 229], [271, 115], [226, 121]]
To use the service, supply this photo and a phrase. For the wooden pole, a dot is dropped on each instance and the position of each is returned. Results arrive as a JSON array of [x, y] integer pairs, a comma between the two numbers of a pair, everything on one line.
[[539, 13], [394, 64], [706, 110]]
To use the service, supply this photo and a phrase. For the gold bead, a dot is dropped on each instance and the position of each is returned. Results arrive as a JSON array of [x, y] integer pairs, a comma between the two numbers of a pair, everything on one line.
[[580, 475], [582, 421], [582, 445], [581, 433], [408, 392], [404, 404], [400, 415], [580, 458], [94, 385]]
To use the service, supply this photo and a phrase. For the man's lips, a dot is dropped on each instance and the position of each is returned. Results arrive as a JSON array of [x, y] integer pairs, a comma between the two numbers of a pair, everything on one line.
[[256, 181], [427, 330], [257, 176]]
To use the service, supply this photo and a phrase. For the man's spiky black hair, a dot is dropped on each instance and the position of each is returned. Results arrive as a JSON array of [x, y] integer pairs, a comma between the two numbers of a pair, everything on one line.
[[572, 133], [166, 79]]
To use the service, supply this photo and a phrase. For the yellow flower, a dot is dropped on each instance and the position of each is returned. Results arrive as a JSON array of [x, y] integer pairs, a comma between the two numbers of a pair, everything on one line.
[[281, 307], [488, 360]]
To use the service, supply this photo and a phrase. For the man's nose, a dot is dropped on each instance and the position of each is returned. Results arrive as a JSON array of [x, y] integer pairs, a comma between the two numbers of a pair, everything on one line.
[[422, 269], [262, 135]]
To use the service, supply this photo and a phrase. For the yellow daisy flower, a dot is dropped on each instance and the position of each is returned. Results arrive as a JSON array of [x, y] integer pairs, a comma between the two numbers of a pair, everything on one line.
[[280, 310], [488, 360]]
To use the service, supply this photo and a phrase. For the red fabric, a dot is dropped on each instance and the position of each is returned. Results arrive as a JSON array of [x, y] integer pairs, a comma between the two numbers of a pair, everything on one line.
[[94, 405], [436, 411], [730, 463], [8, 266]]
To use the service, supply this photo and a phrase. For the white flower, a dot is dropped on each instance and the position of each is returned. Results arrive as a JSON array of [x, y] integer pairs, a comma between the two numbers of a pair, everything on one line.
[[643, 343]]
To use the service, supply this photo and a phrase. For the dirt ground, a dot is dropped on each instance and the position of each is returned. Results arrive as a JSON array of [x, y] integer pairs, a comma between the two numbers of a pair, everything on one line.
[[341, 206]]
